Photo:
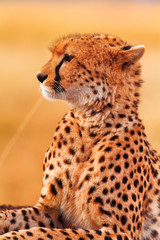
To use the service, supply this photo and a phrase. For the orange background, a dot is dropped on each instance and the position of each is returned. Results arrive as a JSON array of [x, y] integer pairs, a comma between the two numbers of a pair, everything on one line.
[[27, 28]]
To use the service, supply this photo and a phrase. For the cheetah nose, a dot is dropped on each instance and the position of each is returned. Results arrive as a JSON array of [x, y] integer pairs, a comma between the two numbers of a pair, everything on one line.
[[41, 77]]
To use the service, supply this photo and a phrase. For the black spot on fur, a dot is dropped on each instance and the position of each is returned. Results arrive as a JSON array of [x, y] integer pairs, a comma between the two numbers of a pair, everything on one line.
[[105, 212], [59, 182], [91, 190], [99, 200], [53, 189]]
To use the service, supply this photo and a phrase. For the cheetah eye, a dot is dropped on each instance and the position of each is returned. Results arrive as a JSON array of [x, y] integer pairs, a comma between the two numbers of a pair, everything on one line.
[[68, 58]]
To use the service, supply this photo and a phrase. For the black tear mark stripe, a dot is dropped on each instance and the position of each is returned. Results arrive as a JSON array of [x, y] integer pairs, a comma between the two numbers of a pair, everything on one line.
[[66, 58]]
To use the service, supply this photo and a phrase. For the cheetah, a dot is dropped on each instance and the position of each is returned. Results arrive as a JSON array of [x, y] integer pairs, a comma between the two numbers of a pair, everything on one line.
[[101, 177]]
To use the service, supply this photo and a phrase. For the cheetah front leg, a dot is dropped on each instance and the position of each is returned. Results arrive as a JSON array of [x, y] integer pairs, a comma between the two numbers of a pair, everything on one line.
[[64, 234], [25, 218]]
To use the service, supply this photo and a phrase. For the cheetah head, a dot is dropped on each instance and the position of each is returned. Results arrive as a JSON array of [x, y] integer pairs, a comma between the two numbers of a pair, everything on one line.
[[88, 68]]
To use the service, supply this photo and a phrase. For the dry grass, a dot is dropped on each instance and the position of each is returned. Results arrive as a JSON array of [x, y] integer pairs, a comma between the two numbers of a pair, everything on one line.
[[26, 29]]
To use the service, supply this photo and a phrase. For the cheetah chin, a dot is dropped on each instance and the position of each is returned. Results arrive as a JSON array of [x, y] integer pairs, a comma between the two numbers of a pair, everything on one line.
[[48, 93], [75, 97]]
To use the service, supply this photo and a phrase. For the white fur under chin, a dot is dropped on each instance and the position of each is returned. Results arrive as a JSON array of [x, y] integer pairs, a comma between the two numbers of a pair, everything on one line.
[[74, 96], [47, 93]]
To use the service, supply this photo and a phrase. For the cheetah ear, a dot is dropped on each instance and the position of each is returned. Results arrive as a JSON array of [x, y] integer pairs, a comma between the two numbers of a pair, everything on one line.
[[131, 54]]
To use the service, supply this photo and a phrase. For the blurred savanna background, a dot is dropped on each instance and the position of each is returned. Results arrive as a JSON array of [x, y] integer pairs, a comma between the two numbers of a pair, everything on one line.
[[27, 121]]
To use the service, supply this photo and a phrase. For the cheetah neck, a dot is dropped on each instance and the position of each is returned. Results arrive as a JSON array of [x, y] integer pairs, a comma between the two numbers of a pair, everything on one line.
[[115, 104], [117, 115]]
